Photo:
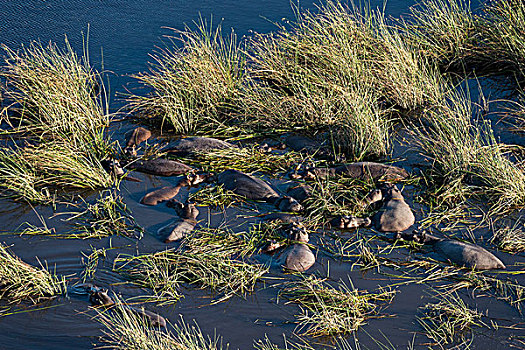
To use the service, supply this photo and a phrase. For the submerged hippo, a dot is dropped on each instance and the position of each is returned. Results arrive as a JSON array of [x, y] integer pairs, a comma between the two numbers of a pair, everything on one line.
[[100, 298], [183, 225], [349, 222], [298, 256], [395, 215], [191, 145], [361, 171], [164, 193], [256, 189], [460, 253], [160, 167], [300, 192], [138, 136]]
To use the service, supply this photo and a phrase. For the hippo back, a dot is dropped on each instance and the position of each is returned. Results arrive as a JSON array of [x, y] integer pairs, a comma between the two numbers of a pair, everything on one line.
[[191, 145], [246, 185], [468, 255], [298, 257]]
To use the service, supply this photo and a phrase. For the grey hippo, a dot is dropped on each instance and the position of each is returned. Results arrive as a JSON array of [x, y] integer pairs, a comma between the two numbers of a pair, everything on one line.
[[160, 167], [360, 170], [254, 188], [460, 253], [100, 298], [191, 145], [395, 214], [297, 257], [183, 225]]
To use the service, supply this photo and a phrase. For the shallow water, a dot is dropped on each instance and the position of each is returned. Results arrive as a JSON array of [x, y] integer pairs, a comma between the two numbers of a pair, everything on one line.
[[121, 36]]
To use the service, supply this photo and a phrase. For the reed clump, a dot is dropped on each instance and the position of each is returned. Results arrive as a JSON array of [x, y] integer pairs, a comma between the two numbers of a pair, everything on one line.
[[57, 101], [449, 319], [327, 310], [124, 329], [194, 86], [203, 260], [22, 282]]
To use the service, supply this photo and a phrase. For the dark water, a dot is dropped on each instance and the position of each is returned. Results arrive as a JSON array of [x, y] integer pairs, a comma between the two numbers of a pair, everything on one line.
[[121, 36]]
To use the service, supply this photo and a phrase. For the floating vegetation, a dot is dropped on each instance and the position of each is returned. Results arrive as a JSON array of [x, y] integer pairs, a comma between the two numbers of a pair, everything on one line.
[[511, 239], [449, 320], [108, 216], [22, 282], [327, 310], [216, 196], [204, 260], [246, 159], [90, 263], [126, 330], [195, 84]]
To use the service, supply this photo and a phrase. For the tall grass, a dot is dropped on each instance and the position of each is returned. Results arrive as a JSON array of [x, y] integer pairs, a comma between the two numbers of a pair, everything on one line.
[[22, 282], [55, 93], [194, 84]]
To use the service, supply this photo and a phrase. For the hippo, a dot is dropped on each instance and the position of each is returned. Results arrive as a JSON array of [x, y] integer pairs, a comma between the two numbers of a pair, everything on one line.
[[395, 215], [300, 192], [100, 298], [183, 225], [349, 222], [304, 144], [361, 170], [298, 256], [139, 135], [164, 193], [256, 189], [373, 197], [190, 145], [160, 167], [460, 253]]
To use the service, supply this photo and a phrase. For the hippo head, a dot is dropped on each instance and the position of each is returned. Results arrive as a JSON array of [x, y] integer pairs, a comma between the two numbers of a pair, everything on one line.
[[372, 197], [184, 211], [297, 233], [287, 203], [197, 179], [112, 166], [390, 191], [100, 297]]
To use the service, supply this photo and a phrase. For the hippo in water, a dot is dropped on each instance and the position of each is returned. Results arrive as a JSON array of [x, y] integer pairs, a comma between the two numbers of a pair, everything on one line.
[[255, 189], [164, 193], [282, 217], [297, 257], [138, 136], [346, 222], [361, 171], [183, 225], [395, 215], [100, 298], [191, 145], [460, 253], [160, 167], [300, 192]]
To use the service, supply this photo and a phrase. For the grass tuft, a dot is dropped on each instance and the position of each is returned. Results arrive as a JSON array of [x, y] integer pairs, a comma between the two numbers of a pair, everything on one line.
[[327, 310], [22, 282]]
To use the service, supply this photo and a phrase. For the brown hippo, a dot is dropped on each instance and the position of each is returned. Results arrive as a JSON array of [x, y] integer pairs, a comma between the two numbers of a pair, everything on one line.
[[164, 193], [100, 298], [361, 171], [298, 256], [191, 145], [460, 253], [395, 215], [138, 136], [307, 145], [160, 167], [349, 222], [373, 197], [183, 225], [256, 189]]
